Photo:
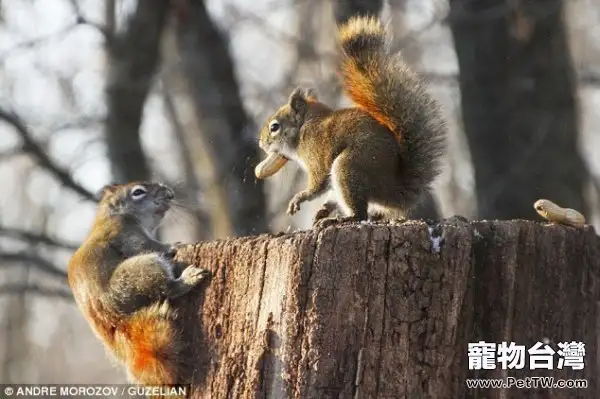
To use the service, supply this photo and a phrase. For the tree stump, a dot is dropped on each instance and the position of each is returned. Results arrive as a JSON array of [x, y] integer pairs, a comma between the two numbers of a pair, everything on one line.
[[388, 310]]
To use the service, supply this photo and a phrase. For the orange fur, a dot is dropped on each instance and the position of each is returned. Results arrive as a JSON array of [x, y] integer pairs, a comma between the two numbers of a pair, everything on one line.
[[120, 283], [364, 67], [145, 342], [361, 91]]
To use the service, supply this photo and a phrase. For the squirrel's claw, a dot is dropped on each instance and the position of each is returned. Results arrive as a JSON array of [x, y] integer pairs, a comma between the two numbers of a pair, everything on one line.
[[320, 215], [192, 275], [323, 212], [294, 206], [324, 222]]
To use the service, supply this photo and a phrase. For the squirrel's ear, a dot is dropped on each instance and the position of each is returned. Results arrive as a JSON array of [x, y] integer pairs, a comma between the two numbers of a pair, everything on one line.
[[311, 94], [298, 101], [108, 189]]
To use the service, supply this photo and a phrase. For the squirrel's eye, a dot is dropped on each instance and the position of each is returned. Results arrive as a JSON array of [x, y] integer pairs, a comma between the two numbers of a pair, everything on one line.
[[138, 192], [274, 127]]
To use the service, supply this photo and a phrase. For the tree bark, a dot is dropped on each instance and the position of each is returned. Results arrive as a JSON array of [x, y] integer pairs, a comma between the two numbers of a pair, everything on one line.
[[382, 311], [518, 104]]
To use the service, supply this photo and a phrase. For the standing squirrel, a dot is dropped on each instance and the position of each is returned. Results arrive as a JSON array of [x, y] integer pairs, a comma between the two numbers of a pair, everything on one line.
[[123, 279], [383, 153]]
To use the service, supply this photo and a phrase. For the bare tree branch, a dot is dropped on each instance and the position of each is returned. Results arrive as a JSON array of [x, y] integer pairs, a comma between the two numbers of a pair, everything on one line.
[[80, 19], [43, 159], [11, 289], [110, 16], [237, 16], [8, 154], [589, 78], [31, 43], [439, 16], [82, 122], [35, 238], [105, 30], [35, 261]]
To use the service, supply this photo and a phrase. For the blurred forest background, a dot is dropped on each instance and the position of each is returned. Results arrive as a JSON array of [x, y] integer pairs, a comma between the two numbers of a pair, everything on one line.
[[93, 92]]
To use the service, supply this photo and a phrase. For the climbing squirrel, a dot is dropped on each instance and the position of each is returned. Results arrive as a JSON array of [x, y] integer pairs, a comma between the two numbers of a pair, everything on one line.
[[377, 158], [123, 279]]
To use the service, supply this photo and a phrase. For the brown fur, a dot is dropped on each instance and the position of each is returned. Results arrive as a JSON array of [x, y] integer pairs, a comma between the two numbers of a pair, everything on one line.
[[122, 280], [383, 152]]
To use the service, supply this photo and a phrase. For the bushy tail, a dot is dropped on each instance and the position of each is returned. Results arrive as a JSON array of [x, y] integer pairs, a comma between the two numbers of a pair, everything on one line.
[[150, 347], [382, 84]]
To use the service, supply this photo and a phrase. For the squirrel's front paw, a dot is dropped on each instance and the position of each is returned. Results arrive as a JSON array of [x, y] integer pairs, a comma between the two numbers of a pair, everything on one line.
[[294, 205], [193, 275]]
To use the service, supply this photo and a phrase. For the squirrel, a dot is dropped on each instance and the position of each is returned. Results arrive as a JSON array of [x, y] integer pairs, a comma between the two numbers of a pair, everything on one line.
[[377, 158], [123, 279]]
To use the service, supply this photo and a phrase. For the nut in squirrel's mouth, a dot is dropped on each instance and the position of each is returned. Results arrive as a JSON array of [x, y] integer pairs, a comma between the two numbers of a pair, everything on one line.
[[270, 165]]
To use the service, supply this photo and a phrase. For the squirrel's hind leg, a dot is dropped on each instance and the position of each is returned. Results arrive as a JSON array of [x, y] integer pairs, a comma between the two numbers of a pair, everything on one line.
[[138, 282], [147, 278], [350, 186], [329, 207]]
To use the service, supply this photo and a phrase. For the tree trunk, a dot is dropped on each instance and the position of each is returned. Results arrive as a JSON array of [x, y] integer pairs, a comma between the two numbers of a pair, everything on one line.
[[133, 56], [345, 9], [381, 311], [228, 132], [518, 105]]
